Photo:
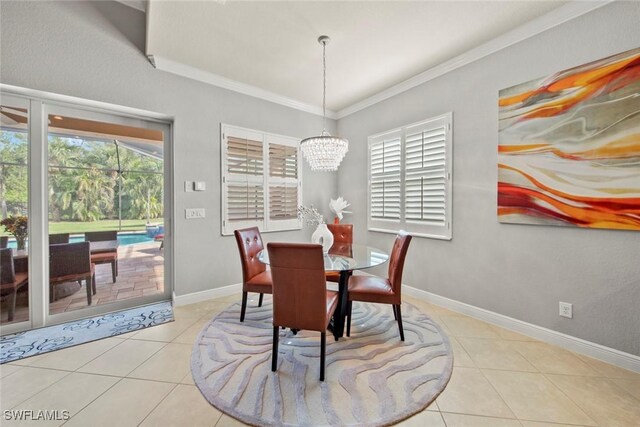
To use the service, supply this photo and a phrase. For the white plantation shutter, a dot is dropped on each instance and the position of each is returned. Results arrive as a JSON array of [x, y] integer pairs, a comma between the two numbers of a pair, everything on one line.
[[260, 180], [421, 190], [425, 174], [385, 159], [284, 185]]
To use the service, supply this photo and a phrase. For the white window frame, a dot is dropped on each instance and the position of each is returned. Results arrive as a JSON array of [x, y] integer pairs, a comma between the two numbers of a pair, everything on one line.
[[418, 228], [267, 224]]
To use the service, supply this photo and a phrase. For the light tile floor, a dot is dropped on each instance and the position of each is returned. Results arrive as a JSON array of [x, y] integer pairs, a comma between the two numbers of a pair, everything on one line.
[[500, 378]]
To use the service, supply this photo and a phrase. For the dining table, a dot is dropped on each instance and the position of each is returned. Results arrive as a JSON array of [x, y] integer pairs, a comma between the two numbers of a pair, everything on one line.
[[344, 258]]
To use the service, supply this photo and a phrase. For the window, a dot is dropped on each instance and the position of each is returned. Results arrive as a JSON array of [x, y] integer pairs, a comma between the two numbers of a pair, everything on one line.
[[261, 182], [410, 179]]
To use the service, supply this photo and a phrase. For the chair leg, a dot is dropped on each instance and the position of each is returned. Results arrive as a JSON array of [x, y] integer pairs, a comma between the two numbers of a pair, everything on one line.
[[400, 322], [349, 307], [395, 313], [260, 300], [274, 352], [243, 308], [87, 282], [12, 304], [323, 346], [93, 284], [113, 271]]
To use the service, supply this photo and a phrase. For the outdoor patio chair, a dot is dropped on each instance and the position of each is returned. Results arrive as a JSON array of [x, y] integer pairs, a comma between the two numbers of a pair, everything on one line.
[[104, 257], [56, 239], [10, 281], [4, 241], [71, 262]]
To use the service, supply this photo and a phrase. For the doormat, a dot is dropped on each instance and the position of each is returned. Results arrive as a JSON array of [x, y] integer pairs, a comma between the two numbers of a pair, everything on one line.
[[43, 340]]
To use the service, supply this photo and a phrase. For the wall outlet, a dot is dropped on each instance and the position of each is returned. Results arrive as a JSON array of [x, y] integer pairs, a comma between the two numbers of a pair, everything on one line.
[[199, 186], [566, 310], [188, 186], [194, 213]]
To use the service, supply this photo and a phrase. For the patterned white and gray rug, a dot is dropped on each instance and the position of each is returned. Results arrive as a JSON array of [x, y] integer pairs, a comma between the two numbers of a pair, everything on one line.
[[372, 378], [43, 340]]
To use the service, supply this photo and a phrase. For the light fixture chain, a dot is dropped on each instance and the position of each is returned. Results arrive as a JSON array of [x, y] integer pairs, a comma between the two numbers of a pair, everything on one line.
[[324, 86]]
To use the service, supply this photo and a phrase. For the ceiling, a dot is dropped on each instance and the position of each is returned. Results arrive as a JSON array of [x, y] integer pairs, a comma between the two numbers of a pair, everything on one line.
[[272, 46]]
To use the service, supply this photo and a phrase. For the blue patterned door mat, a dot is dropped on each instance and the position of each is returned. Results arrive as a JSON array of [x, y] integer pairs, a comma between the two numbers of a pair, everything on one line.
[[43, 340]]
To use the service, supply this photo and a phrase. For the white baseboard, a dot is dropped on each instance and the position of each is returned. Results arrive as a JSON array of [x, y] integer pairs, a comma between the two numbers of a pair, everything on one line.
[[578, 345], [194, 297]]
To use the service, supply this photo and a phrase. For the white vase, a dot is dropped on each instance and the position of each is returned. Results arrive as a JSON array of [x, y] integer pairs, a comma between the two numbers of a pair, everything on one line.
[[323, 236]]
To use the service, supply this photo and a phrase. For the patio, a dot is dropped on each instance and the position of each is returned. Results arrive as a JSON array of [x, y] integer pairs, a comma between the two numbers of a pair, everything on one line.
[[141, 273]]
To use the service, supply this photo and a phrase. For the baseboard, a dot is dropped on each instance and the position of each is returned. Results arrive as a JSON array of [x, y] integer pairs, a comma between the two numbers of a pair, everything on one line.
[[568, 342], [194, 297]]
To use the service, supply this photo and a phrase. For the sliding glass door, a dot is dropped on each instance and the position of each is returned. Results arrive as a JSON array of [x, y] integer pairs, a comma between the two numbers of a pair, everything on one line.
[[14, 212], [99, 221]]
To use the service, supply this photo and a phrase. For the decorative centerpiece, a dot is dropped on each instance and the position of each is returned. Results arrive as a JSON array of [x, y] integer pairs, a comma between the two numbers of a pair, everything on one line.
[[17, 225], [322, 235], [338, 207]]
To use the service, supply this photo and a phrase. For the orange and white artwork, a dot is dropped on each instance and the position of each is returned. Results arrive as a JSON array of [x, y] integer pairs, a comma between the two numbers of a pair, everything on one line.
[[569, 147]]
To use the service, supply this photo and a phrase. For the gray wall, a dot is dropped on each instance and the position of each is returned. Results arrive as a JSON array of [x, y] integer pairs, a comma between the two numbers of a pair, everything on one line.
[[92, 50], [516, 270]]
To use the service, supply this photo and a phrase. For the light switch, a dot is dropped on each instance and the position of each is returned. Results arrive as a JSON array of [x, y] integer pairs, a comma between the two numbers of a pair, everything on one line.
[[188, 186], [194, 213], [200, 186]]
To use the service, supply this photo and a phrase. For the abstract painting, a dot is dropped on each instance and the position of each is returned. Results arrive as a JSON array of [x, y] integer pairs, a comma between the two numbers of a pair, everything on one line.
[[569, 147]]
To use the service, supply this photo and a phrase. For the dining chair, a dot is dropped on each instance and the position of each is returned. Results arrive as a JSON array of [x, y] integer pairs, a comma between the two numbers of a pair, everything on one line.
[[70, 262], [300, 296], [342, 240], [56, 239], [110, 257], [10, 280], [379, 290], [255, 276]]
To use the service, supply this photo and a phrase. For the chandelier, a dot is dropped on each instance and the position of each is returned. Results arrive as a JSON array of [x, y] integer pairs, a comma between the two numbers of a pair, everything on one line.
[[324, 152]]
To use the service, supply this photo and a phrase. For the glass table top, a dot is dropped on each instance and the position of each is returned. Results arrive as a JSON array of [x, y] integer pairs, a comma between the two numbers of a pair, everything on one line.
[[344, 256]]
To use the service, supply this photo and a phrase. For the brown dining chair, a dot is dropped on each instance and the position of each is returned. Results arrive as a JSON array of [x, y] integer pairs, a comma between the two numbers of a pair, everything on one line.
[[70, 262], [58, 238], [379, 290], [255, 276], [342, 240], [300, 296], [4, 242], [110, 257], [10, 280]]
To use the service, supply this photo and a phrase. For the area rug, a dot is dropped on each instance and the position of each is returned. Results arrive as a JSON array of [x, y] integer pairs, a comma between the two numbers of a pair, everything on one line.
[[372, 378], [43, 340]]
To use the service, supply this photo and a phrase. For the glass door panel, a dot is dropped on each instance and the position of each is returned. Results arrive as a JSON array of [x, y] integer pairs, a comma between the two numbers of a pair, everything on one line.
[[106, 204], [14, 212]]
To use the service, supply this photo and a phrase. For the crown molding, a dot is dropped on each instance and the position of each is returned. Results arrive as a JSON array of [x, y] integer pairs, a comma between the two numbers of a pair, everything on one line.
[[552, 19], [194, 73], [140, 5]]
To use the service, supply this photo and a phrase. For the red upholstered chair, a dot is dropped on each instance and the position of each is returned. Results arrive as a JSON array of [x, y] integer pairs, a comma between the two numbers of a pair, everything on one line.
[[10, 281], [379, 290], [70, 262], [255, 277], [342, 240], [300, 296], [104, 257]]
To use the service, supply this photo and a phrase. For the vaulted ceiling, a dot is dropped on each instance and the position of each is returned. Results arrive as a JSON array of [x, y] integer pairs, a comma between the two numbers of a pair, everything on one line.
[[272, 46]]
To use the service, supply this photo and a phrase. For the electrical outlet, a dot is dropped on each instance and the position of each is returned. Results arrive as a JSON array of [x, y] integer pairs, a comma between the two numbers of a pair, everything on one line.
[[566, 310], [194, 213]]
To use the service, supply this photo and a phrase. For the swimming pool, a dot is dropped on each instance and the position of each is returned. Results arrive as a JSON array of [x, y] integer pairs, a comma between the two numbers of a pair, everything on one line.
[[125, 239]]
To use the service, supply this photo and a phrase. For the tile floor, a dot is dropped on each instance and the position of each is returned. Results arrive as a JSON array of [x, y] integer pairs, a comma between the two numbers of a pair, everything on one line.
[[500, 378]]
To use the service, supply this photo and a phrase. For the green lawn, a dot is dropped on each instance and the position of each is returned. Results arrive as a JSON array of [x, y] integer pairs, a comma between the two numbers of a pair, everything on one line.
[[111, 224]]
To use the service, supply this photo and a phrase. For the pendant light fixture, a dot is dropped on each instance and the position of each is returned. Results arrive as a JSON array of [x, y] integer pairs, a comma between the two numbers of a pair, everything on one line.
[[324, 152]]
